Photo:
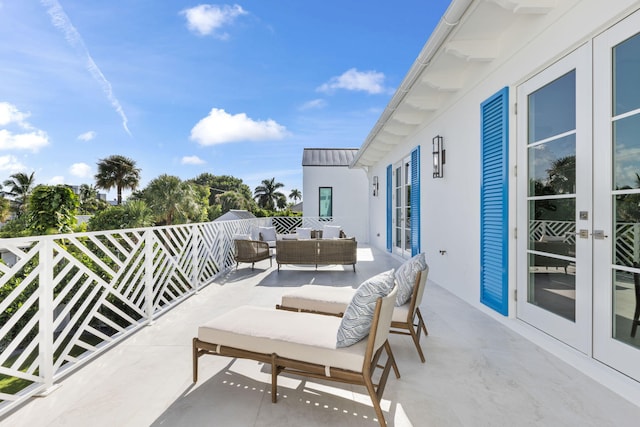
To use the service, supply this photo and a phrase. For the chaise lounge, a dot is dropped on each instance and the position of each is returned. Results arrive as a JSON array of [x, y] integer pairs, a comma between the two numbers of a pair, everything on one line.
[[311, 345], [407, 318]]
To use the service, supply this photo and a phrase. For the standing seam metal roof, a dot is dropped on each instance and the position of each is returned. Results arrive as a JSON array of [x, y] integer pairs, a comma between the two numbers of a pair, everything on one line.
[[328, 156]]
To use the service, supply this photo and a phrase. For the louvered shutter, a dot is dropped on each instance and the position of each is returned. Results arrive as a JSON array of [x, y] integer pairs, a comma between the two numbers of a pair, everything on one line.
[[389, 207], [494, 196], [415, 201]]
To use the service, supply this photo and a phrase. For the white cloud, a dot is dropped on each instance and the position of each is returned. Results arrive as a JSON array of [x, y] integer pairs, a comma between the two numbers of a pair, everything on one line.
[[314, 104], [87, 136], [366, 81], [32, 141], [10, 164], [60, 20], [206, 19], [192, 160], [220, 127], [81, 170], [9, 113], [22, 136], [56, 180]]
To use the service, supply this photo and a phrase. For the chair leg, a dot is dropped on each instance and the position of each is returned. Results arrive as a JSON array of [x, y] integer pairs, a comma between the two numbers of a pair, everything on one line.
[[374, 399], [421, 322], [636, 321], [274, 379], [387, 347], [416, 341], [195, 360]]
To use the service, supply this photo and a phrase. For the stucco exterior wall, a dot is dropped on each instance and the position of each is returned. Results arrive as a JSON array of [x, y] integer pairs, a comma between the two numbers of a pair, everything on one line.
[[350, 197], [452, 224]]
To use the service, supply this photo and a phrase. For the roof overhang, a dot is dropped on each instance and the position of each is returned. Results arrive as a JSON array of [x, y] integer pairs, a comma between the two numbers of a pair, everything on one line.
[[471, 34]]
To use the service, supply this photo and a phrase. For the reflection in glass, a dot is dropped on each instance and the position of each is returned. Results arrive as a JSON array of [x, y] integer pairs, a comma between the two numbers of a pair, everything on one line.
[[626, 69], [552, 167], [627, 229], [553, 211], [626, 297], [552, 108], [626, 152], [552, 285]]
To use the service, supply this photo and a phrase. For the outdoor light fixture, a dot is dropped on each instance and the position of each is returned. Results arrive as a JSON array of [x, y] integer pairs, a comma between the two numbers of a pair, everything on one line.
[[375, 186], [438, 156]]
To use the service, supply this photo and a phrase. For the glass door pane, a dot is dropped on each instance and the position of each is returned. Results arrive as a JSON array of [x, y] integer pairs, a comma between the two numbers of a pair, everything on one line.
[[552, 194]]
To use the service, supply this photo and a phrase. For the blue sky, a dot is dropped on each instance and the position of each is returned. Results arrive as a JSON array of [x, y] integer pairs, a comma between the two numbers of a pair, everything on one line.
[[184, 87]]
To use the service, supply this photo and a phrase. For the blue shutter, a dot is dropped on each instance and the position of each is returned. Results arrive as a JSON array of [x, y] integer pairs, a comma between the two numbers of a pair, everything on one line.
[[494, 197], [389, 207], [415, 201]]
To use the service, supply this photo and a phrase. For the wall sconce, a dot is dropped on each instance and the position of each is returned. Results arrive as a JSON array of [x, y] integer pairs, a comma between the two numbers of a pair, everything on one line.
[[438, 156], [375, 186]]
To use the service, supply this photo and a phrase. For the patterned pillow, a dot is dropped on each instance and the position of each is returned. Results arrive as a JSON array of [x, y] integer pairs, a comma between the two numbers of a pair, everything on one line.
[[406, 277], [356, 321]]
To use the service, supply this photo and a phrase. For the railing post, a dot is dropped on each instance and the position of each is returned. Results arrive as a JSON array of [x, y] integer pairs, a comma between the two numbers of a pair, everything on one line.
[[148, 274], [45, 310], [195, 260]]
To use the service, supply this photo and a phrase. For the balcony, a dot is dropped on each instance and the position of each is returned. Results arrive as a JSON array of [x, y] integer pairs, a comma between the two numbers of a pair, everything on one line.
[[125, 305]]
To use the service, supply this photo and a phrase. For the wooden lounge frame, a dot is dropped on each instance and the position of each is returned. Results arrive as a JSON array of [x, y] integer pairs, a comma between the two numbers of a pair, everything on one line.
[[376, 345], [413, 324]]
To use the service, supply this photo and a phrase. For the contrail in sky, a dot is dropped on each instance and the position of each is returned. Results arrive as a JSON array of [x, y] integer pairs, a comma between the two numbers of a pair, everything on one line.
[[61, 21]]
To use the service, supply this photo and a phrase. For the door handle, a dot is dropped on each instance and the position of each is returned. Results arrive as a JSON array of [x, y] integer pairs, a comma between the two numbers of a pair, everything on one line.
[[599, 234]]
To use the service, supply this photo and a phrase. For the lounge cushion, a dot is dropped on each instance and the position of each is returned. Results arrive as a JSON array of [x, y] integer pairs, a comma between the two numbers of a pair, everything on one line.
[[406, 277], [303, 233], [357, 318], [326, 299], [299, 336], [331, 231], [268, 233]]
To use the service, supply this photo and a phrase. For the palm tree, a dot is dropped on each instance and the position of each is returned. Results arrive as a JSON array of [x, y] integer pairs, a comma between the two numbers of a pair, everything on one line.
[[119, 172], [267, 193], [20, 188], [171, 200], [295, 195]]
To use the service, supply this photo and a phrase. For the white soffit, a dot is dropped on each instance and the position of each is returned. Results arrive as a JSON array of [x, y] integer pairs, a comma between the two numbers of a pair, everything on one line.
[[469, 35]]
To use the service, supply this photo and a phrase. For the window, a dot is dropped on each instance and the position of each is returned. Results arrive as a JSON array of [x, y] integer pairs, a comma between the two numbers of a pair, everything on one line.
[[326, 202]]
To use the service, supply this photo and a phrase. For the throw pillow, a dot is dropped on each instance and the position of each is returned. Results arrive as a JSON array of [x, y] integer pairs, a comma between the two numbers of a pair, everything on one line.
[[303, 233], [268, 233], [406, 277], [331, 231], [356, 321], [242, 236]]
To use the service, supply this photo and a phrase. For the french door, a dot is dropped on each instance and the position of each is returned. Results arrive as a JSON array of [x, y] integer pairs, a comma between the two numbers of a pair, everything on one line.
[[555, 215], [617, 195], [402, 208]]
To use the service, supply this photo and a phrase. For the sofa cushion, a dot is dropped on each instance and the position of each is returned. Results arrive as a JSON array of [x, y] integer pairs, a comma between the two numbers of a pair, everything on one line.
[[303, 233], [268, 234], [356, 321], [406, 277], [331, 231], [240, 236]]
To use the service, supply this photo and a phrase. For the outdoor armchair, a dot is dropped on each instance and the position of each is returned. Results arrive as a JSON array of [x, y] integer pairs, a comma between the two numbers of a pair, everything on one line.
[[251, 251]]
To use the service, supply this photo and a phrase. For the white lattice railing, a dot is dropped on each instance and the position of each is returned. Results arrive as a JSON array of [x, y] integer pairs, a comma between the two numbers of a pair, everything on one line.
[[66, 298], [627, 237]]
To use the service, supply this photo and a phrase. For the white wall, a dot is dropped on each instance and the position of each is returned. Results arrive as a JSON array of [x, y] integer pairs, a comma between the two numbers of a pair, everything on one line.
[[450, 215], [350, 197]]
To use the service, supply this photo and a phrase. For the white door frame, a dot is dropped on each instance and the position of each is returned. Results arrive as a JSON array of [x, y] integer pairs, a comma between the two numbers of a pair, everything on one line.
[[576, 334]]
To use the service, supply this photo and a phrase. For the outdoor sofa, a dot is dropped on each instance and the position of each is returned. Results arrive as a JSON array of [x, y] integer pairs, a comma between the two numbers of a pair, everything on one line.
[[317, 252]]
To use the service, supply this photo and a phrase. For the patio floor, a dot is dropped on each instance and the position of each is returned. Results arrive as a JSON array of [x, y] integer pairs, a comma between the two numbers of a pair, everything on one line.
[[478, 372]]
